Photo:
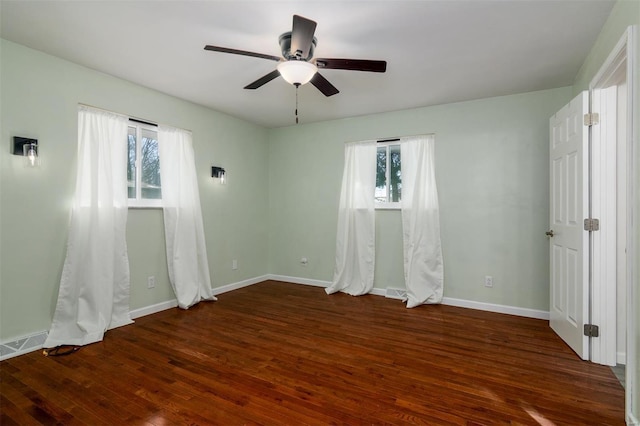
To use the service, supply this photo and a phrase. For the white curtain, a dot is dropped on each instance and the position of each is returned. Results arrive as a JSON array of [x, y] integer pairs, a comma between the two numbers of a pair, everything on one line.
[[184, 231], [94, 287], [423, 268], [355, 241]]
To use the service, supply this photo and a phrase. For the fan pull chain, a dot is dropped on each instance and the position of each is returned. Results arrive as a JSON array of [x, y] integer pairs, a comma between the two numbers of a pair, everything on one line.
[[297, 85]]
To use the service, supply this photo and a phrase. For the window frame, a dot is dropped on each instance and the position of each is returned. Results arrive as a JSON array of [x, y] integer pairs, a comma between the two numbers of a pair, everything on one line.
[[139, 202], [388, 205]]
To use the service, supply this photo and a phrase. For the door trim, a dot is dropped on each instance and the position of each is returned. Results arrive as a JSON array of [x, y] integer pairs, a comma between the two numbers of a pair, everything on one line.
[[626, 48]]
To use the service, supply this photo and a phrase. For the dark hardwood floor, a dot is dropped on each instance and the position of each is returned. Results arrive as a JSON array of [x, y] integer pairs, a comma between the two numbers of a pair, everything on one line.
[[279, 353]]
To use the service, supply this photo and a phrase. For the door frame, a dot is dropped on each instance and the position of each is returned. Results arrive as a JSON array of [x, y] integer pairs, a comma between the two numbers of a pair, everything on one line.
[[603, 276], [625, 49]]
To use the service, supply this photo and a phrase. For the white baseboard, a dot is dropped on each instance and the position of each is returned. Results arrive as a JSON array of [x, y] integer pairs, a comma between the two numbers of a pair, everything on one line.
[[153, 309], [632, 420], [240, 284], [169, 304], [296, 280], [395, 293], [378, 292], [500, 309], [621, 358]]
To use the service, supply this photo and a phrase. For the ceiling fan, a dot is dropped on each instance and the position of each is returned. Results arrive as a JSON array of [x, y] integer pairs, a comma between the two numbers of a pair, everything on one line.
[[297, 65]]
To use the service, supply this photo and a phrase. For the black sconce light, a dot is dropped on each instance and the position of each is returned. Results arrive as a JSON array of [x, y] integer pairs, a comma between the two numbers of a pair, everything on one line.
[[219, 173], [28, 148]]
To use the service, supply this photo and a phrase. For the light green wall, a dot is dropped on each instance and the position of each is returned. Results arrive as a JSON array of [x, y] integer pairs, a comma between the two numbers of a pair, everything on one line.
[[492, 172], [39, 99], [624, 14], [492, 175]]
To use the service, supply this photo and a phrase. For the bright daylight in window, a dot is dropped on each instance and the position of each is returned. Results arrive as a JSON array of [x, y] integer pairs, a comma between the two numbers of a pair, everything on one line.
[[388, 176], [143, 167]]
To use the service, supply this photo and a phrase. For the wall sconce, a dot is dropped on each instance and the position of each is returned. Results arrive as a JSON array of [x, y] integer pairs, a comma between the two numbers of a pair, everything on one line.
[[28, 148], [219, 173]]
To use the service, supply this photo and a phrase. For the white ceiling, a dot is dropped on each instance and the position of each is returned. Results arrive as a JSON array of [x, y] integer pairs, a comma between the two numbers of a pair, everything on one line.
[[436, 51]]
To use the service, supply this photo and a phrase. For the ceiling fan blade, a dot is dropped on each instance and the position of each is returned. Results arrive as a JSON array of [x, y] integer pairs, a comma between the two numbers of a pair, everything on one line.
[[263, 80], [351, 64], [241, 52], [302, 36], [323, 85]]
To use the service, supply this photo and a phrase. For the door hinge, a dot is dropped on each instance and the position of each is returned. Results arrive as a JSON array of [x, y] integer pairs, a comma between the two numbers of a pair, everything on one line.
[[591, 119], [591, 225], [591, 330]]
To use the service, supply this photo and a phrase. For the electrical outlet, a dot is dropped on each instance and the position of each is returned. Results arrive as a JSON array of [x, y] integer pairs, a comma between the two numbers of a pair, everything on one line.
[[234, 264], [304, 261], [151, 282], [488, 281]]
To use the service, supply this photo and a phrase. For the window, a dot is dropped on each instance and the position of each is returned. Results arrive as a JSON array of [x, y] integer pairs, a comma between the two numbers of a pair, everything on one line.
[[143, 167], [388, 175]]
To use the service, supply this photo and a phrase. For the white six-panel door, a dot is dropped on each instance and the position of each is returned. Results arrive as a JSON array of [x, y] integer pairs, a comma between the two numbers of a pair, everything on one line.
[[569, 242]]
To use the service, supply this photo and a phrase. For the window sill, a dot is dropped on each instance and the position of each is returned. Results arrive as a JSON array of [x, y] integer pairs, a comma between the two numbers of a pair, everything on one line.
[[145, 207], [388, 206], [145, 204]]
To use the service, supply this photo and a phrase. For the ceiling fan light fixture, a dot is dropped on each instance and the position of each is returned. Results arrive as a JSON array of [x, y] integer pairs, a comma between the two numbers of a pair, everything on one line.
[[297, 72]]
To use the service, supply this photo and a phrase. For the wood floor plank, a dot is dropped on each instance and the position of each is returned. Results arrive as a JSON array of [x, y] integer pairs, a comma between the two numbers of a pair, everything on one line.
[[283, 354]]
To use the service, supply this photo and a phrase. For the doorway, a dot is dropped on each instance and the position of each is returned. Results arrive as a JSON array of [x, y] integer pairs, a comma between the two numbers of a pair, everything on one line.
[[609, 165], [613, 249]]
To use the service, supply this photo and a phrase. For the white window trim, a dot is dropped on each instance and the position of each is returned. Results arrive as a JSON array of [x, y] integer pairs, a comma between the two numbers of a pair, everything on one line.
[[142, 203]]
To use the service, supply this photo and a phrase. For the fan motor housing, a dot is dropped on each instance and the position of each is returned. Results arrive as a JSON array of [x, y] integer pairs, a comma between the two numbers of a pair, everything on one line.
[[285, 46]]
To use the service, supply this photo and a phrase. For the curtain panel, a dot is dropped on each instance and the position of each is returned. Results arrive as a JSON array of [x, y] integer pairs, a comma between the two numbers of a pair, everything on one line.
[[184, 230], [355, 239], [423, 264], [94, 286]]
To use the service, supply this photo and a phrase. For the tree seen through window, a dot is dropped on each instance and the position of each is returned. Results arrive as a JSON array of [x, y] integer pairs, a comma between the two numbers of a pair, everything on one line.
[[143, 158], [388, 174]]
